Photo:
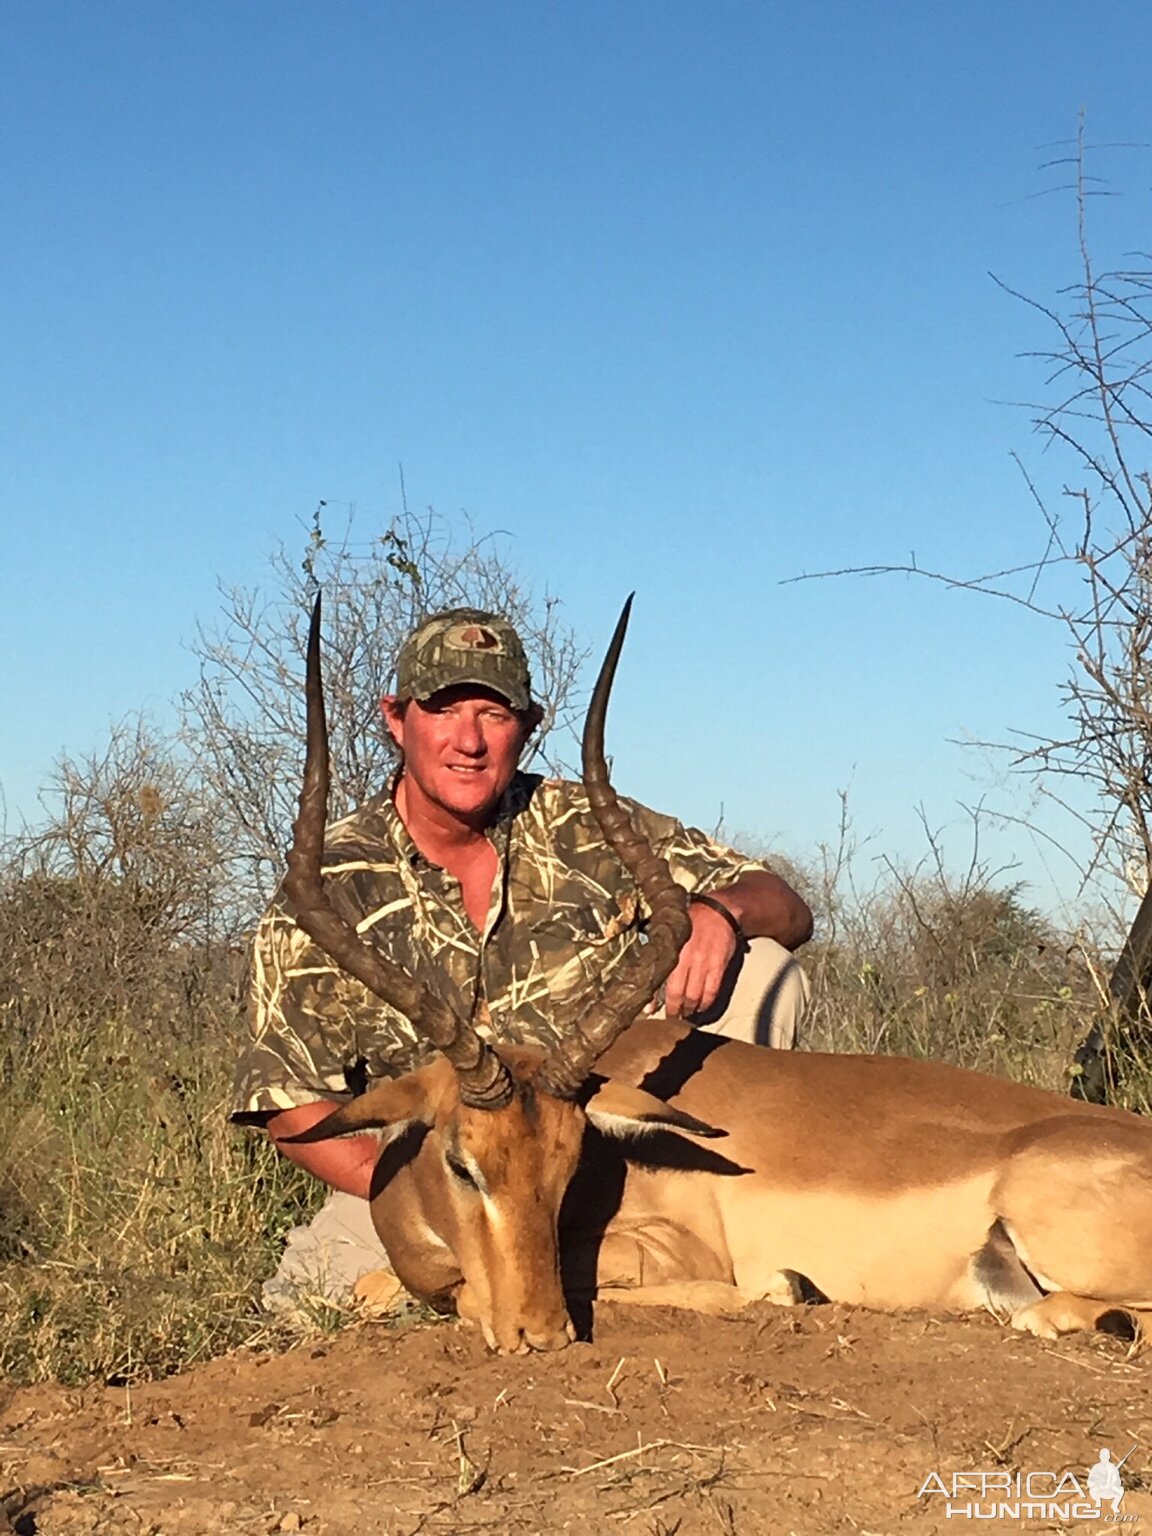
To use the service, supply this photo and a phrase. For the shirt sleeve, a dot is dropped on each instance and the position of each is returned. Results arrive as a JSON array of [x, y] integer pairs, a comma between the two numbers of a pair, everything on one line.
[[697, 861], [303, 1017]]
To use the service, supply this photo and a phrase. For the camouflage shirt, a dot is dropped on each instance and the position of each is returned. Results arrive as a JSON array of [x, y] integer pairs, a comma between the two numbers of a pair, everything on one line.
[[562, 913]]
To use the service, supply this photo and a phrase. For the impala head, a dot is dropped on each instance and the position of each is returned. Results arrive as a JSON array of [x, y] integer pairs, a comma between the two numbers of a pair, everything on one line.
[[493, 1181], [503, 1128]]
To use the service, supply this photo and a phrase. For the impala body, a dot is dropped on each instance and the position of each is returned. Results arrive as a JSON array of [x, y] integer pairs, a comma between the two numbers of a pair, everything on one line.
[[877, 1180], [648, 1162]]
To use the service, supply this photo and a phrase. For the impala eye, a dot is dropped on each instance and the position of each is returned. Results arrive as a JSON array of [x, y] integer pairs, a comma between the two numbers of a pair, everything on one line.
[[461, 1172]]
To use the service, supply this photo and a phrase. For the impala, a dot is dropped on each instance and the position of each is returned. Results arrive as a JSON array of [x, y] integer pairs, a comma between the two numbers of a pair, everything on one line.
[[641, 1160]]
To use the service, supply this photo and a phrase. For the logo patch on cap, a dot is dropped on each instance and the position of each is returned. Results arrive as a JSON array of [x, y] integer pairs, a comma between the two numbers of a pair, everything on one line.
[[464, 645], [472, 637]]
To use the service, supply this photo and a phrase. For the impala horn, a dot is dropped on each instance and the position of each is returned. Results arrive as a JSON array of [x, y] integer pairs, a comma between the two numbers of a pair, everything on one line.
[[647, 966], [484, 1080]]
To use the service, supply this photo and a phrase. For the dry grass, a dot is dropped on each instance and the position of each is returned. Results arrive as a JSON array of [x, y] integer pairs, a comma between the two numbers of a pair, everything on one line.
[[135, 1223], [979, 981], [957, 968]]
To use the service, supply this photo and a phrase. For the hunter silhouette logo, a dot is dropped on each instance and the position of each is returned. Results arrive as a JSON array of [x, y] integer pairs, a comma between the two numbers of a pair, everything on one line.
[[1104, 1481], [1037, 1495]]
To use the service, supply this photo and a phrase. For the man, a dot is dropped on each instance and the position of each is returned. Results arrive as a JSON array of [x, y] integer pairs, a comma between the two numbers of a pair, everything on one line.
[[499, 885]]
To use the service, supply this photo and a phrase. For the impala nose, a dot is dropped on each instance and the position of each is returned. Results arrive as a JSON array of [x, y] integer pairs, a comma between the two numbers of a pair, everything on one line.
[[550, 1340], [541, 1338]]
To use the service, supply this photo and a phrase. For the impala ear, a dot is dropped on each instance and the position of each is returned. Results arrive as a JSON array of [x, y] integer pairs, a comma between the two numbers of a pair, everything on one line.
[[617, 1110], [389, 1105]]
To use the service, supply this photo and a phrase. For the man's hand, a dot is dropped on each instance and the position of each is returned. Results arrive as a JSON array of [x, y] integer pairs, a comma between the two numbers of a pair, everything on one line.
[[693, 985], [764, 906]]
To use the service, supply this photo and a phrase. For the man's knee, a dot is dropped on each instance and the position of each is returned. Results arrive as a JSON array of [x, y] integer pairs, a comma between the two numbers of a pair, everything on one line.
[[323, 1260]]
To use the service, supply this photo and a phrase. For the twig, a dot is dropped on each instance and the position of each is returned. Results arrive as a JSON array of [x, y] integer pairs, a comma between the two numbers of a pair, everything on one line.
[[580, 1402], [650, 1445]]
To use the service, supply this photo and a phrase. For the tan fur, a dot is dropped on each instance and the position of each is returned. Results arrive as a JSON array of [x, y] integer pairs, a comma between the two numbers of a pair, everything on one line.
[[876, 1180]]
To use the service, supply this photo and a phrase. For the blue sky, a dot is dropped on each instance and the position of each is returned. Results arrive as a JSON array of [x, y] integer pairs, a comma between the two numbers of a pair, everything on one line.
[[688, 298]]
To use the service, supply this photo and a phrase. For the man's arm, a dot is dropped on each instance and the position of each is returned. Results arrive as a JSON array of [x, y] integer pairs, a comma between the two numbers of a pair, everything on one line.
[[345, 1163], [302, 1017], [767, 907], [764, 905]]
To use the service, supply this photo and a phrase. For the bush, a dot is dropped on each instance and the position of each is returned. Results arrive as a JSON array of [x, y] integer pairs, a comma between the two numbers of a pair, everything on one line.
[[954, 969]]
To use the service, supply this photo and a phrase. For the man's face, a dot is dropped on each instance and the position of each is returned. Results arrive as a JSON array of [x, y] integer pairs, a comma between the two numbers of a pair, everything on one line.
[[461, 747]]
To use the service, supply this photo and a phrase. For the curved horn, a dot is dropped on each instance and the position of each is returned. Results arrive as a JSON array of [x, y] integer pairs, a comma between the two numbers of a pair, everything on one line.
[[484, 1080], [646, 967]]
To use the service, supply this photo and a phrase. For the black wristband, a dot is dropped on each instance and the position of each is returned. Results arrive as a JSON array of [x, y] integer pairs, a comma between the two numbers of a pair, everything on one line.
[[728, 916]]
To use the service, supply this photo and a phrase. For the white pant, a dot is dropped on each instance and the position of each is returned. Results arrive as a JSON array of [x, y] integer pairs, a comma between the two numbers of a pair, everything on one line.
[[762, 1001]]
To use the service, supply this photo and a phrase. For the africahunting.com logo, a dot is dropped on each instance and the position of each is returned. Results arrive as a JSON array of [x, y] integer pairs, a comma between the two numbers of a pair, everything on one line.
[[1097, 1495]]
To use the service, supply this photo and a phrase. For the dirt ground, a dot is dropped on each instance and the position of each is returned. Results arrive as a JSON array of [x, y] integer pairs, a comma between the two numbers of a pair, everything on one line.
[[816, 1420]]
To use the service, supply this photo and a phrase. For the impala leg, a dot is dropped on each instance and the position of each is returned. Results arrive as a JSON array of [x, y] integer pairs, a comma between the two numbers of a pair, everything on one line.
[[661, 1264], [1075, 1200], [635, 1255], [1001, 1283], [1062, 1312], [467, 1306], [711, 1297], [379, 1292], [715, 1298]]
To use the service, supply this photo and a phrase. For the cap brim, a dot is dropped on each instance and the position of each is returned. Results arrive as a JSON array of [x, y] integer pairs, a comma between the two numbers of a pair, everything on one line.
[[518, 701]]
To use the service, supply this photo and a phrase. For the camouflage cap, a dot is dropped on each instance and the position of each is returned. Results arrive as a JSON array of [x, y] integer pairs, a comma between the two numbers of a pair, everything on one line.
[[464, 645]]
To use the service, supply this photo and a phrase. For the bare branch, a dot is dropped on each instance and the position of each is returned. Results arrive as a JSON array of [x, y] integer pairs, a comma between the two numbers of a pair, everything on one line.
[[1098, 419], [244, 720]]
